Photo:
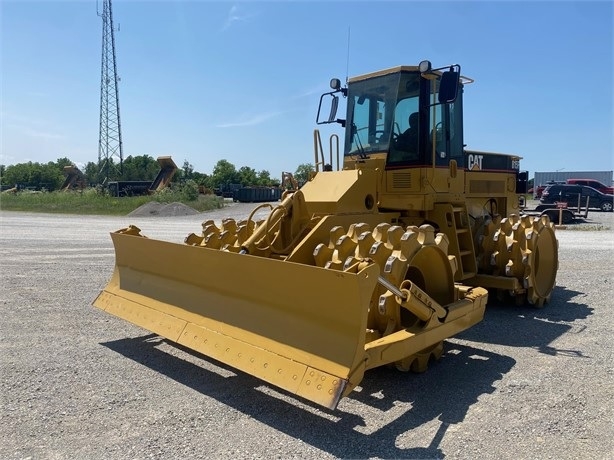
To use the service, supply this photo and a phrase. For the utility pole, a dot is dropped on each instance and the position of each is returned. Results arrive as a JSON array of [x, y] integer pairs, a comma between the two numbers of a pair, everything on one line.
[[110, 152]]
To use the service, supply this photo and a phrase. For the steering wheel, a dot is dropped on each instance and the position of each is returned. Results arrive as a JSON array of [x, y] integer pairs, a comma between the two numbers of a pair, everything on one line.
[[379, 132]]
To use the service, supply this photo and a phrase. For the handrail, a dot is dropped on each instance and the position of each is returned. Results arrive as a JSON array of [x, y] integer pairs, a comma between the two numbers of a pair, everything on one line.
[[319, 151], [334, 136], [317, 142]]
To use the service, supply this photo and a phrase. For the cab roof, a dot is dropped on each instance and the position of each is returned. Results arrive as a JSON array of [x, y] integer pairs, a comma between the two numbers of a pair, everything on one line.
[[379, 73], [398, 69]]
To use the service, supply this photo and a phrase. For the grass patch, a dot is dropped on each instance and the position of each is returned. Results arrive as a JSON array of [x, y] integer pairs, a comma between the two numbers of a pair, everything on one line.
[[90, 201]]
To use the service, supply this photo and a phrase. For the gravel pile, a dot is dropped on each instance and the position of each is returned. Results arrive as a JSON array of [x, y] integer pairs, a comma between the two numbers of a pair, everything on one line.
[[153, 208]]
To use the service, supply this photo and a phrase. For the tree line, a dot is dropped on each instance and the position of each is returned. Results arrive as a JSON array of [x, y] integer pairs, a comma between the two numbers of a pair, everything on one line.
[[50, 176]]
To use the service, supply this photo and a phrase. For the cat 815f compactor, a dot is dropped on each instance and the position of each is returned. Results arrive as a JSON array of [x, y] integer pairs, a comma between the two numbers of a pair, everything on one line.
[[374, 262]]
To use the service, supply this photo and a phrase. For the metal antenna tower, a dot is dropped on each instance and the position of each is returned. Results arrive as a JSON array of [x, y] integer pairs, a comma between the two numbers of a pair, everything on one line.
[[110, 152]]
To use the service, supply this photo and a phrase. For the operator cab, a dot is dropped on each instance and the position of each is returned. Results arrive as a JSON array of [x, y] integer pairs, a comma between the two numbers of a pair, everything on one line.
[[411, 114]]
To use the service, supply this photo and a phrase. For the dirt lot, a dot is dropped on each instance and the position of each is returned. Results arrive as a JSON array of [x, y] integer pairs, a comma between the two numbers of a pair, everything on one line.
[[76, 383]]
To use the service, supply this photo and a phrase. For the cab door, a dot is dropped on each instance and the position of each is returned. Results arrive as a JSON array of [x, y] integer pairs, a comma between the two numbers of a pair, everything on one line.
[[445, 144]]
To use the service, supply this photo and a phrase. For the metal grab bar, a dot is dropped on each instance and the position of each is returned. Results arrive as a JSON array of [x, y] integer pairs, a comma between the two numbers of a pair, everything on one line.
[[319, 151]]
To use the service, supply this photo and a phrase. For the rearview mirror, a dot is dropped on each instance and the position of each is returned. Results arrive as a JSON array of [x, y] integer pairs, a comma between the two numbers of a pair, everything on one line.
[[448, 86], [331, 101]]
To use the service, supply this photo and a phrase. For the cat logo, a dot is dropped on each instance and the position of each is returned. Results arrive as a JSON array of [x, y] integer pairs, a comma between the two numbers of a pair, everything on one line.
[[475, 162]]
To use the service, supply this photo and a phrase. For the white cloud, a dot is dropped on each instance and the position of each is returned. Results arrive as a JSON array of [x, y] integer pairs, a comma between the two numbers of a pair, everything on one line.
[[250, 120], [236, 15], [319, 89]]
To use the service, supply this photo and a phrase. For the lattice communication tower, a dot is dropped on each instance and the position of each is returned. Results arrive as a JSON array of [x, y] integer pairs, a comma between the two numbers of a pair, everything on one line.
[[110, 152]]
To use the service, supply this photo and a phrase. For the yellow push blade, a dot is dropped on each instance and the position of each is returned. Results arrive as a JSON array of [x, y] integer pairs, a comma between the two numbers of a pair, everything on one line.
[[299, 327]]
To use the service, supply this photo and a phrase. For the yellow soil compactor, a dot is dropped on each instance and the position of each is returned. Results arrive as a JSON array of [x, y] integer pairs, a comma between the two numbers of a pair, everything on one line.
[[372, 262]]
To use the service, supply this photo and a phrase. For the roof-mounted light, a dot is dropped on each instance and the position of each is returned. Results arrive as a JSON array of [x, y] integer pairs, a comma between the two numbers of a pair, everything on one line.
[[425, 66]]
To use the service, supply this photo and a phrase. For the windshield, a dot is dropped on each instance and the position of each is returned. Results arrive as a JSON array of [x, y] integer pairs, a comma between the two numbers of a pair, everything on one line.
[[379, 110], [370, 112]]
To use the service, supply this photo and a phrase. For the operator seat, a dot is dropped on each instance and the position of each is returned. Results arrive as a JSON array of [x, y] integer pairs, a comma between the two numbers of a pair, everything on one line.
[[408, 140]]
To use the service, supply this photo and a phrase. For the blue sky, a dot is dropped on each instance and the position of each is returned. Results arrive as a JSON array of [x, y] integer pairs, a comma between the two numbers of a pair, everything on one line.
[[205, 80]]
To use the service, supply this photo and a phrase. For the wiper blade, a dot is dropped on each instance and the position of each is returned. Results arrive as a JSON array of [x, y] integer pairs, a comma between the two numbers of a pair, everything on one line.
[[361, 150]]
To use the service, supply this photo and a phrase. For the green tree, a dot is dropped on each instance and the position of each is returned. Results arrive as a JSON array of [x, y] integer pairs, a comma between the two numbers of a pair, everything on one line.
[[264, 178], [140, 167], [224, 172], [17, 174], [61, 162], [187, 171], [52, 175], [36, 175], [247, 176], [303, 172], [107, 167], [91, 172], [201, 179], [189, 190]]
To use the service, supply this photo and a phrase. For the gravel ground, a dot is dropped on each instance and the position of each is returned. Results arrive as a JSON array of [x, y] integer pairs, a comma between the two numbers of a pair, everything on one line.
[[76, 383]]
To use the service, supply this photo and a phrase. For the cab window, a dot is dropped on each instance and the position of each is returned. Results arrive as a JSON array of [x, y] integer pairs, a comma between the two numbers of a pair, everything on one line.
[[370, 110], [404, 147]]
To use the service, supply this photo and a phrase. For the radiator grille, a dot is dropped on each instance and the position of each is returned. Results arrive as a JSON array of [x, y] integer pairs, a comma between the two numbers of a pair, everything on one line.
[[401, 180]]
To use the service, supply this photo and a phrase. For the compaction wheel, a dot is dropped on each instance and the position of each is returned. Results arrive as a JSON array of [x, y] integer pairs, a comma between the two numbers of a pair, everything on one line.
[[415, 254], [525, 248]]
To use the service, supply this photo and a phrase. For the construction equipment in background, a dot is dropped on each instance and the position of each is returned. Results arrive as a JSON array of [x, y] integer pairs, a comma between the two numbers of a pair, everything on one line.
[[168, 168], [75, 179], [288, 182], [9, 188], [371, 263]]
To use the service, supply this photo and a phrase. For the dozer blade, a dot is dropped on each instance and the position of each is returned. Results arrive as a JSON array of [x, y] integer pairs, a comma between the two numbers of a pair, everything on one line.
[[299, 327]]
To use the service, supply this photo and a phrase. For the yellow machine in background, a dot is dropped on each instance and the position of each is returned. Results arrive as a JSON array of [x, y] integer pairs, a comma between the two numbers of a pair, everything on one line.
[[75, 179], [372, 263], [168, 168]]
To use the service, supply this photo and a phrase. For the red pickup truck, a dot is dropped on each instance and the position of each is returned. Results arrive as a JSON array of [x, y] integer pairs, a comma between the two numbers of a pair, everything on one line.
[[592, 183]]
